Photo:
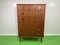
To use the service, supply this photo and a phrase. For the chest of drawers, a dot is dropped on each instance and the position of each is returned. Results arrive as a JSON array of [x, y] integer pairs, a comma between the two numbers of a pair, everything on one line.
[[31, 20]]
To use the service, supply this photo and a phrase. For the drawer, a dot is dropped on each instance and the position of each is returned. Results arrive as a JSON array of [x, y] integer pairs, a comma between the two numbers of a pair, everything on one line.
[[30, 33], [36, 33]]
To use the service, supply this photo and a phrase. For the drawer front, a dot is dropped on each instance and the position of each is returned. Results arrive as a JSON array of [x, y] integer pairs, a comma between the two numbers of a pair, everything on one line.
[[30, 33], [31, 19]]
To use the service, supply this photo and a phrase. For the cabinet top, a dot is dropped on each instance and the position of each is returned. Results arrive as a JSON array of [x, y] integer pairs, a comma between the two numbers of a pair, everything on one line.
[[31, 4]]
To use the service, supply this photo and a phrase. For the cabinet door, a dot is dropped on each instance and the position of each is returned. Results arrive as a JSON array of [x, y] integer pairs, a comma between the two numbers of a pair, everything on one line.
[[31, 19]]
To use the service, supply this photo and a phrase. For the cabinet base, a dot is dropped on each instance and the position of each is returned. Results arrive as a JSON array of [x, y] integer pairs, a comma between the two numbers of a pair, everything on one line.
[[20, 38]]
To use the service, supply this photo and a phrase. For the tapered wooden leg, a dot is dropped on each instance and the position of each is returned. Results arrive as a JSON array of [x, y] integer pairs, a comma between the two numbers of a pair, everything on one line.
[[41, 39], [20, 39]]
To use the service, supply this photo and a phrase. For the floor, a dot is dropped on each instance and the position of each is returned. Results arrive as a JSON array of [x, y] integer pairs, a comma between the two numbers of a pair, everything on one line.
[[14, 40]]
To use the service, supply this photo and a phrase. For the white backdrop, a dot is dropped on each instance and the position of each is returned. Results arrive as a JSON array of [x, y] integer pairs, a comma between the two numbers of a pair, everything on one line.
[[8, 16]]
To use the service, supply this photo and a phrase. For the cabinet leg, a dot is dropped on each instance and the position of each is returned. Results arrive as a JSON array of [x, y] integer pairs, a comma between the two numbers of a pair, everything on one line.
[[41, 39], [20, 39]]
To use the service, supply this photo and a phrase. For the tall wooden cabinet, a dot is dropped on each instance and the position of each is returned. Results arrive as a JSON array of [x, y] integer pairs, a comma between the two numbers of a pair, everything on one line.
[[31, 20]]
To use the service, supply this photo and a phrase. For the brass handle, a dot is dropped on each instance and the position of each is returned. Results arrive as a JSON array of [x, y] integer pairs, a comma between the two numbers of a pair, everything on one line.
[[22, 13]]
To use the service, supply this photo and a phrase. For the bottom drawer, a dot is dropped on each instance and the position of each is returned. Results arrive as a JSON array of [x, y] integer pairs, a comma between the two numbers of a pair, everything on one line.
[[29, 33]]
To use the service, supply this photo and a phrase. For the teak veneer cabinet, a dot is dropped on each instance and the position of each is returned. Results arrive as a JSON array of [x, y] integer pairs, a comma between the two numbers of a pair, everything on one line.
[[31, 20]]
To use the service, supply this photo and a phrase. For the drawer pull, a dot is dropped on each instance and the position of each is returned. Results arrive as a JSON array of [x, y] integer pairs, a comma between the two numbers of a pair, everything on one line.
[[22, 18], [22, 13], [38, 29], [38, 34]]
